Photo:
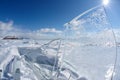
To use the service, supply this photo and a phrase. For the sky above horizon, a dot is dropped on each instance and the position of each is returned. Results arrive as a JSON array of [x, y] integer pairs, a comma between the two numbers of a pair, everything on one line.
[[37, 14]]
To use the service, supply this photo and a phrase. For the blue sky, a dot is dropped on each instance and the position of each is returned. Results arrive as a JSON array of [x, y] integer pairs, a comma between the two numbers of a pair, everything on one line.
[[37, 14]]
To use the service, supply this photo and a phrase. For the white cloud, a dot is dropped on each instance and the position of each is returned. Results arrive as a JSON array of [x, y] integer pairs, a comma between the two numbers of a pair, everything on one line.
[[46, 33], [49, 30], [8, 29], [6, 26]]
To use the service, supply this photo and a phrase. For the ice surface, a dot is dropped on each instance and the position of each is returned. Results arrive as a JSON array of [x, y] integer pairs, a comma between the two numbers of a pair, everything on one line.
[[86, 52]]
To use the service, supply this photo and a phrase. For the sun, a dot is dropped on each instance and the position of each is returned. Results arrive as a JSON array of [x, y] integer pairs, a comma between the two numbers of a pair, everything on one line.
[[105, 2]]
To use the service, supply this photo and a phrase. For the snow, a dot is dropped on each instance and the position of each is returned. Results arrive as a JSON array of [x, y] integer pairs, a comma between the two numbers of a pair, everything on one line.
[[86, 51]]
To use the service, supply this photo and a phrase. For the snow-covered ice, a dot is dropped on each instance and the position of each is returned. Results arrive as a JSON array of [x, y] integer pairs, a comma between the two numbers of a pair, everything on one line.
[[86, 51]]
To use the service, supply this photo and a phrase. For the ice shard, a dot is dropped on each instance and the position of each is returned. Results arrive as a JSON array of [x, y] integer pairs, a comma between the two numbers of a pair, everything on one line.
[[90, 45]]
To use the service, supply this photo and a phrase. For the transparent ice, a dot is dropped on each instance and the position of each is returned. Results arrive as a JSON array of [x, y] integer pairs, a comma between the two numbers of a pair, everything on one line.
[[86, 51]]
